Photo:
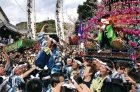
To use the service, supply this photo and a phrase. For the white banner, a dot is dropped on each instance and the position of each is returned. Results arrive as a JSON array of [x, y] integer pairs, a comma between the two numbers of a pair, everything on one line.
[[59, 19], [31, 19]]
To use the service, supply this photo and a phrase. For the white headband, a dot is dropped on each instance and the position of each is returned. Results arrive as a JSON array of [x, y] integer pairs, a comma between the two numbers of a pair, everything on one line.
[[104, 21], [69, 59], [18, 66], [21, 65], [47, 77], [103, 63], [98, 60], [54, 41], [77, 61]]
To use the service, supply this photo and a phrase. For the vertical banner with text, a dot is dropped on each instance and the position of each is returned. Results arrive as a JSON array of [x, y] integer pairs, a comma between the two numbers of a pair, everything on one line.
[[59, 19], [31, 19]]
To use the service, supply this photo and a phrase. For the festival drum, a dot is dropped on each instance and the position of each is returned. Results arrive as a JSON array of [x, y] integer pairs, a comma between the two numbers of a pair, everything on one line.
[[118, 43], [90, 45]]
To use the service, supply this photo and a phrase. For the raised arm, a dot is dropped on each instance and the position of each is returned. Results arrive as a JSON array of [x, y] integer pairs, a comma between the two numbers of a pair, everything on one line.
[[41, 37], [42, 29], [28, 72], [7, 60]]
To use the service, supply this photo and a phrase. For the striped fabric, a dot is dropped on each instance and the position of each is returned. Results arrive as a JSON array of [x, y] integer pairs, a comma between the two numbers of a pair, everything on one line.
[[42, 40], [67, 70], [9, 87], [16, 82], [53, 59]]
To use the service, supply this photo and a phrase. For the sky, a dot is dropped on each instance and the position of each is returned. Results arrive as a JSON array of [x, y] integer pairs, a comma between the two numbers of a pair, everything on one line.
[[45, 9]]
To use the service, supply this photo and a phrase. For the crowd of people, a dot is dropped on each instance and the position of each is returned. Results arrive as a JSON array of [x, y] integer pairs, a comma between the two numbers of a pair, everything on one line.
[[54, 68], [6, 41]]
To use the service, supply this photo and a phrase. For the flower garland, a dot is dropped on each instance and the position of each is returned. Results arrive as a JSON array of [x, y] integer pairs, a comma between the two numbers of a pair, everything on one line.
[[132, 31], [123, 16]]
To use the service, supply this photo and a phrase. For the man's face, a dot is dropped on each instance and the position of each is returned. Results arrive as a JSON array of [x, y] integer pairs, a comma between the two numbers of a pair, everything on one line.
[[120, 70], [86, 72], [75, 65], [9, 36], [61, 79], [49, 43], [67, 54], [2, 71], [97, 64], [103, 70], [69, 62], [18, 70], [24, 68]]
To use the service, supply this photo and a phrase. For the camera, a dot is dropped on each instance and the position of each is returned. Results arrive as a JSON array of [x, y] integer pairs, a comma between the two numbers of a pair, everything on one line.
[[121, 85]]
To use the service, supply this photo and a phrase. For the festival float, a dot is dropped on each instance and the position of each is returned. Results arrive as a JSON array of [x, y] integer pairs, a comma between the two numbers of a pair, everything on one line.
[[22, 43], [121, 20]]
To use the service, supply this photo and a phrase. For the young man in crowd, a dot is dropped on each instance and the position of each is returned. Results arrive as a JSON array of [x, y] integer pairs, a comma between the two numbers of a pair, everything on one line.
[[77, 67], [34, 85], [55, 81], [67, 69], [17, 78], [10, 40], [88, 74], [97, 64], [105, 70]]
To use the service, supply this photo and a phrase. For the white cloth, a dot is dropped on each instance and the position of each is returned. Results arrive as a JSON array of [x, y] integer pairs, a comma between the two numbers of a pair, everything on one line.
[[10, 41]]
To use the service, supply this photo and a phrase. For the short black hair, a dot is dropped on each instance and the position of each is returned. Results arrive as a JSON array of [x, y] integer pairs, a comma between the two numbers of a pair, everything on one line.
[[79, 59], [34, 85], [44, 73], [55, 37], [1, 80], [105, 16], [78, 79], [54, 80], [92, 70], [109, 63]]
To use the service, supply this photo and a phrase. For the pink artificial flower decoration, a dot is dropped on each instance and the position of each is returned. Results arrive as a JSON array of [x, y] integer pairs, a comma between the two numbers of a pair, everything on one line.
[[133, 56], [84, 37], [134, 45]]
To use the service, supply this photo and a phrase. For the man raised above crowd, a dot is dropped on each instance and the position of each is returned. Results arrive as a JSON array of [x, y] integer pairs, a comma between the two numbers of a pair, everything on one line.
[[49, 55]]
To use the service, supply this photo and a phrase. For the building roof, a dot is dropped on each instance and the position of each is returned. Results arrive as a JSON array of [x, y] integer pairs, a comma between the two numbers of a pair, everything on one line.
[[4, 14], [10, 27]]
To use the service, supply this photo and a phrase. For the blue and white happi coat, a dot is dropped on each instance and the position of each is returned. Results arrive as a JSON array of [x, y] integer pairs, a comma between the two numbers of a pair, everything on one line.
[[67, 70], [50, 58]]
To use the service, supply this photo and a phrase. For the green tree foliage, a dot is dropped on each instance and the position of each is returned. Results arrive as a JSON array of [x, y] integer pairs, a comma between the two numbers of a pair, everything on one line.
[[22, 26], [39, 25], [76, 27], [85, 12], [50, 29]]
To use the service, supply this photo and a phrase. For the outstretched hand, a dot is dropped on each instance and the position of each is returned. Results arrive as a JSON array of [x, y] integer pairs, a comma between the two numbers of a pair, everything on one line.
[[46, 25], [82, 88], [19, 91]]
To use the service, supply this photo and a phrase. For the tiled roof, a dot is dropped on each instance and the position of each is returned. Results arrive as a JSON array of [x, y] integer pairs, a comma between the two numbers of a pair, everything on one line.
[[10, 27]]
